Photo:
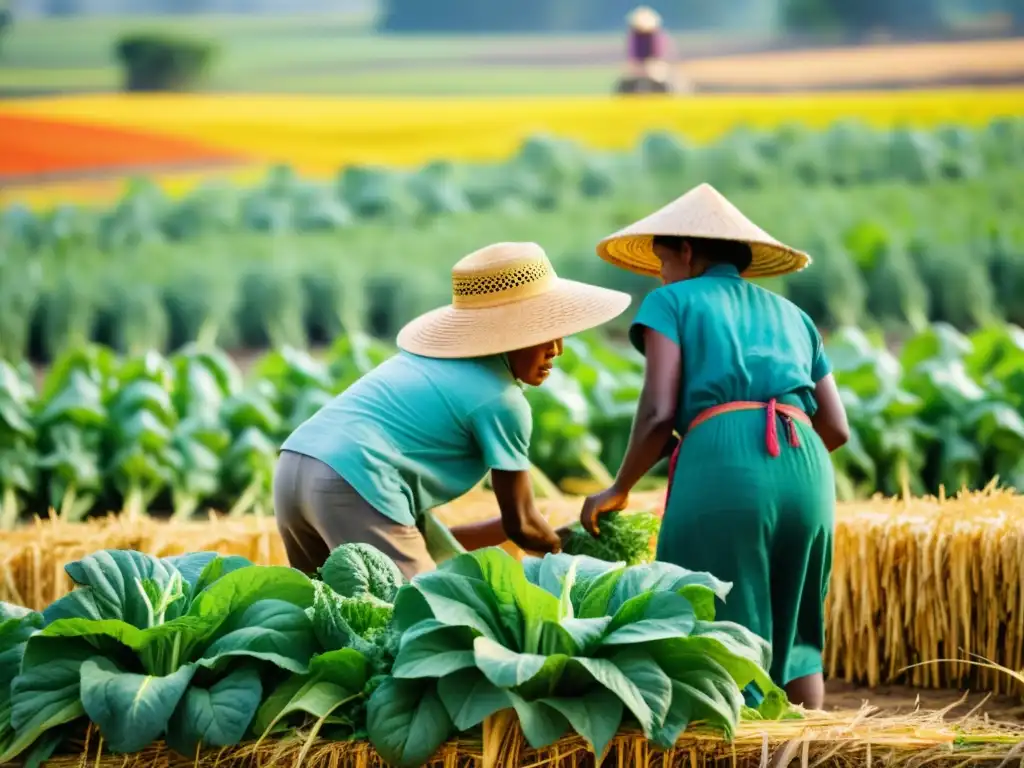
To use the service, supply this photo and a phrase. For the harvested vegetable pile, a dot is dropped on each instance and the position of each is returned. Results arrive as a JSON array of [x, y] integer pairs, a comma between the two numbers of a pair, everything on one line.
[[201, 650], [628, 538]]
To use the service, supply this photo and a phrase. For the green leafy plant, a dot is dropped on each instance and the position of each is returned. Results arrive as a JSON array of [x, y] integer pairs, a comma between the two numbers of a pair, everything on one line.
[[565, 642], [626, 538], [351, 615], [146, 648]]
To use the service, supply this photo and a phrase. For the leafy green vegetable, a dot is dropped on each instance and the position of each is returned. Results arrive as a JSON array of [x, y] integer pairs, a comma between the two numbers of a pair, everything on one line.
[[146, 647], [484, 633], [359, 570], [627, 538]]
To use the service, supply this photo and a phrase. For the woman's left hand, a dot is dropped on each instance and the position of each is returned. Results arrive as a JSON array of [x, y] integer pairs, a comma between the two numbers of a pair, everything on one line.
[[609, 500]]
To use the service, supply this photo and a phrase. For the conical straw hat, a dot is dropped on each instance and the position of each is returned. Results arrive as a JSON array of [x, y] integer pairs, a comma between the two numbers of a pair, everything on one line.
[[701, 212], [644, 19], [505, 297]]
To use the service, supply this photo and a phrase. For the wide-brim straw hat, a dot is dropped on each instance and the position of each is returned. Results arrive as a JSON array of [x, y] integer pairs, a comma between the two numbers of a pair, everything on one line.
[[702, 212], [505, 297], [644, 19]]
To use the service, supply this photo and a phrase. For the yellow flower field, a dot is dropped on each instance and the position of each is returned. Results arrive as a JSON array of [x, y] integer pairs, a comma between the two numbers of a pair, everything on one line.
[[317, 135]]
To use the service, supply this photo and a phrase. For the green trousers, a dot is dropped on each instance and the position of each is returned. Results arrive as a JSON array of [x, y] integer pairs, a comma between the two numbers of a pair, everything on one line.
[[763, 523]]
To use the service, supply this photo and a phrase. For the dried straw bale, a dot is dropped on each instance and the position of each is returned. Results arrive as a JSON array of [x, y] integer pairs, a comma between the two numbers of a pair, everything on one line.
[[913, 580], [926, 579], [852, 738]]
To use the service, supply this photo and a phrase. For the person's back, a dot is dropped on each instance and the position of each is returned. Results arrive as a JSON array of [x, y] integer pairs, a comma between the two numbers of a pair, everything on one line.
[[741, 374], [740, 342], [406, 435]]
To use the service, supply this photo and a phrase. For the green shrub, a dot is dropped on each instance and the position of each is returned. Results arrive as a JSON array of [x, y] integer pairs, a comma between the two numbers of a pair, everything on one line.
[[158, 62], [6, 21]]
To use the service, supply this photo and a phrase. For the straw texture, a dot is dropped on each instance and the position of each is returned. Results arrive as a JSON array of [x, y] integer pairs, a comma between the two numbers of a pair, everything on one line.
[[913, 581], [701, 212], [507, 296], [855, 738]]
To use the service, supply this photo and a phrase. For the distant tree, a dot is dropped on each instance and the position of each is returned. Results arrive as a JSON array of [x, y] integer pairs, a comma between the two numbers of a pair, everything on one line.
[[810, 16], [904, 17], [1016, 10], [6, 22], [535, 15], [64, 7], [159, 62]]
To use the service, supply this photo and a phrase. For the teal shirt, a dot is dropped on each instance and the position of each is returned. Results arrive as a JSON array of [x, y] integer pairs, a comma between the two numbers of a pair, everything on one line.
[[417, 432], [739, 342]]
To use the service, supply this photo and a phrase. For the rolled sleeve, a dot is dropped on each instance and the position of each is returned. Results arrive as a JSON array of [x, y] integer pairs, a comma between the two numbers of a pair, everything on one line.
[[821, 366], [502, 428], [659, 313]]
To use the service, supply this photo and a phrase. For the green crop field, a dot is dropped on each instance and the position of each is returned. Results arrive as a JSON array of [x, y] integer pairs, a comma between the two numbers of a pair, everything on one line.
[[337, 54], [310, 54], [904, 226]]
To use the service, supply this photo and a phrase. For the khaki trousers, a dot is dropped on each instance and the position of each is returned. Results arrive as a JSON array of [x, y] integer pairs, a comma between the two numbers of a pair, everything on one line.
[[317, 510]]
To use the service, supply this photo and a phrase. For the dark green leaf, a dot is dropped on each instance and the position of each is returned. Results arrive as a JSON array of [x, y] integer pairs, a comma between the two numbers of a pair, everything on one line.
[[433, 649], [407, 722], [131, 710], [595, 717], [470, 698], [218, 716]]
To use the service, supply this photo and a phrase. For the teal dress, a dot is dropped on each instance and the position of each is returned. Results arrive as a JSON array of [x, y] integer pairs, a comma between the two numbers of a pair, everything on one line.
[[763, 522]]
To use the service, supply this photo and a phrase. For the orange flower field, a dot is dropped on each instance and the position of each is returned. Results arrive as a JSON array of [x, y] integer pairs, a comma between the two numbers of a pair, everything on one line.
[[36, 146]]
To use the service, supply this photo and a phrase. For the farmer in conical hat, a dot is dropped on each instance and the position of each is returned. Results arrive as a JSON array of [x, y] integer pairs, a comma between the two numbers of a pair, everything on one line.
[[648, 44], [426, 426], [740, 374]]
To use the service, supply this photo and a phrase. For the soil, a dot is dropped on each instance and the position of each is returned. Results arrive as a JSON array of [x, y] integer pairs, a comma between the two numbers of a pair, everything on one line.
[[872, 66], [903, 699]]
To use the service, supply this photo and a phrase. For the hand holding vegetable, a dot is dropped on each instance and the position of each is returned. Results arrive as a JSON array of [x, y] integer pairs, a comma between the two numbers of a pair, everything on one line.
[[525, 526], [609, 500]]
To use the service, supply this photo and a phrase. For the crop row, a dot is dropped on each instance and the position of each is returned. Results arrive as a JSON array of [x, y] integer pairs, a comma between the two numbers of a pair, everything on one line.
[[174, 435], [205, 651], [543, 175], [890, 254]]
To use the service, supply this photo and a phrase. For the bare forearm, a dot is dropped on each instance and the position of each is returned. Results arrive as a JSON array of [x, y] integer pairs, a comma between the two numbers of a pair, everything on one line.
[[489, 533], [648, 443], [833, 437], [523, 523]]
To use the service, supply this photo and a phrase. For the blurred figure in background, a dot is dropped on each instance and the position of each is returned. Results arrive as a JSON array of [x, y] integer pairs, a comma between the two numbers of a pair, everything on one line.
[[648, 47]]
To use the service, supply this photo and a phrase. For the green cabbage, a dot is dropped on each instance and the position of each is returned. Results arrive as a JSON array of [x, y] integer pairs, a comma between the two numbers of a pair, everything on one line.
[[357, 570]]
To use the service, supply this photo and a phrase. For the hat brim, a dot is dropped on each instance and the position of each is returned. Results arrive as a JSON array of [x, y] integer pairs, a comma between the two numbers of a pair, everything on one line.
[[635, 253], [568, 307]]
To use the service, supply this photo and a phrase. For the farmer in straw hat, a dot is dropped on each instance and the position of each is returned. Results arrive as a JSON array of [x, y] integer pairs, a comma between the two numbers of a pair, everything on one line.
[[425, 426], [740, 373]]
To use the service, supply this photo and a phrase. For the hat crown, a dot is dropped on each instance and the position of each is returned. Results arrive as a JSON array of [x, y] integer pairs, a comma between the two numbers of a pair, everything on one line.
[[500, 274], [644, 18]]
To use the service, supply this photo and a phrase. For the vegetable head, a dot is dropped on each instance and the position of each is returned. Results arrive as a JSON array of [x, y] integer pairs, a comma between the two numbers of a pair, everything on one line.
[[357, 570]]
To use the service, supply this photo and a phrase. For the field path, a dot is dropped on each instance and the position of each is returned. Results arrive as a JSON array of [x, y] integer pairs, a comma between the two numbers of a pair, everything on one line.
[[961, 63], [714, 65]]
